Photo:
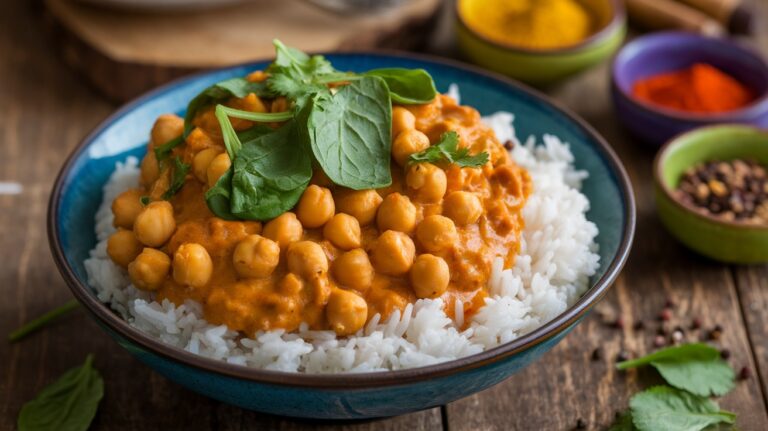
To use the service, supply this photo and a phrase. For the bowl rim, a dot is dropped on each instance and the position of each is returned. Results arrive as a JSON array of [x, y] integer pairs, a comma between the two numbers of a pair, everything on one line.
[[757, 106], [661, 158], [617, 22], [339, 381]]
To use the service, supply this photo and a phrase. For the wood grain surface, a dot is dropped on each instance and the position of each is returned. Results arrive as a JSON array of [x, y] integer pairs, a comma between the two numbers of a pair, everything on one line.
[[46, 110]]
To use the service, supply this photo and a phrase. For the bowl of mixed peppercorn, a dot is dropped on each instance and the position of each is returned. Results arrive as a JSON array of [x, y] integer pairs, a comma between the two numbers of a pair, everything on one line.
[[712, 192]]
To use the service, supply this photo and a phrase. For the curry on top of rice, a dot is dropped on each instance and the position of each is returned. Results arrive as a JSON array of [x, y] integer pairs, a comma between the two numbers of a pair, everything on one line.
[[337, 255]]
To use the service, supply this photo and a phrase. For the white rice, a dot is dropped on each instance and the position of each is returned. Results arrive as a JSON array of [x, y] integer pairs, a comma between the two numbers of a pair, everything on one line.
[[557, 258]]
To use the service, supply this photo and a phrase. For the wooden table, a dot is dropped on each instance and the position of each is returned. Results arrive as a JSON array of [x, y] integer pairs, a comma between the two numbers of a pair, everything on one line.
[[45, 110]]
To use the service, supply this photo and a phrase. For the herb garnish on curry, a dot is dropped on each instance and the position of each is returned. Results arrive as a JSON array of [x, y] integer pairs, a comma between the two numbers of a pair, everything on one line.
[[304, 194]]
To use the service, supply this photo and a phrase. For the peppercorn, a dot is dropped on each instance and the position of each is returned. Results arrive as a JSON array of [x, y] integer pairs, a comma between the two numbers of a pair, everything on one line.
[[509, 145], [580, 424], [622, 356], [597, 354], [639, 325], [696, 324], [745, 373], [725, 354]]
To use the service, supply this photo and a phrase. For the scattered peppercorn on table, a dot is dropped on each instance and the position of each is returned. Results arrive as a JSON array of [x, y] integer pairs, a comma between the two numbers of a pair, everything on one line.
[[665, 293]]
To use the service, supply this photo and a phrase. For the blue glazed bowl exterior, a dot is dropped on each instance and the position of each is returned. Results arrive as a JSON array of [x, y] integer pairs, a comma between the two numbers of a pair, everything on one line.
[[669, 51], [78, 193]]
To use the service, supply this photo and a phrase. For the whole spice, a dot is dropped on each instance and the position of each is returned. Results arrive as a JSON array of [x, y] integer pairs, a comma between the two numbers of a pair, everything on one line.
[[701, 88], [735, 190]]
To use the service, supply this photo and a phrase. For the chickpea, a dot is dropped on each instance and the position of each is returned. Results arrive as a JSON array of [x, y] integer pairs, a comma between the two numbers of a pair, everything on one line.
[[436, 233], [315, 207], [360, 204], [126, 207], [149, 269], [256, 256], [462, 207], [406, 143], [217, 168], [402, 120], [123, 247], [283, 229], [426, 182], [393, 253], [346, 312], [201, 161], [150, 169], [343, 231], [429, 276], [353, 269], [166, 128], [396, 213], [192, 265], [155, 224], [307, 259]]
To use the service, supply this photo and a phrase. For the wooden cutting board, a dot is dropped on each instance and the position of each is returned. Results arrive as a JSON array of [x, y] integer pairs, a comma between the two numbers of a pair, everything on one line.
[[126, 53]]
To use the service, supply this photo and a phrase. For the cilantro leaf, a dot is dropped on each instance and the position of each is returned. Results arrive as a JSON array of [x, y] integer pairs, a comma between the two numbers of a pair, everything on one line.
[[180, 171], [447, 150], [696, 368], [163, 151], [663, 408], [296, 75]]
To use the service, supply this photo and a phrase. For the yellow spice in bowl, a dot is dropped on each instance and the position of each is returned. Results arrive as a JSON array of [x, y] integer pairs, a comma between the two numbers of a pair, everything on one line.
[[539, 24]]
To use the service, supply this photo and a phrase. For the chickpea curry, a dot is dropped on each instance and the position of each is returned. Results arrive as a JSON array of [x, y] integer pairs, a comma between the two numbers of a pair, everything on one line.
[[329, 252]]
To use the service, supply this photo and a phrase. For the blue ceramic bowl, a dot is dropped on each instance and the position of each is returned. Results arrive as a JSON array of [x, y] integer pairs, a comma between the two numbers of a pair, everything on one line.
[[668, 51], [78, 192]]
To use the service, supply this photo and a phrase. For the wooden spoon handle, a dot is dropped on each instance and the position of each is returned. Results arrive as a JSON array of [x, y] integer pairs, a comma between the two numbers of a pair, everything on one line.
[[668, 14]]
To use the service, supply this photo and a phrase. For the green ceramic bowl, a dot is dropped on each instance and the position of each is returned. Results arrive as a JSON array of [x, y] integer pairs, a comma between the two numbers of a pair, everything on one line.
[[544, 66], [720, 240]]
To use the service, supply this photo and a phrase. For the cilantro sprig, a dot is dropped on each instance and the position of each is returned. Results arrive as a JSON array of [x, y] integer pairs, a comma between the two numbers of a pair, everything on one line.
[[447, 151]]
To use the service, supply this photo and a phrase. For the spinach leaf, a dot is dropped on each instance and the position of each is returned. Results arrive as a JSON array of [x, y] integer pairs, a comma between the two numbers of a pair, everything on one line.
[[179, 177], [696, 368], [350, 135], [70, 403], [219, 197], [448, 151], [163, 151], [270, 174], [43, 320], [623, 422], [663, 408], [219, 93], [407, 86]]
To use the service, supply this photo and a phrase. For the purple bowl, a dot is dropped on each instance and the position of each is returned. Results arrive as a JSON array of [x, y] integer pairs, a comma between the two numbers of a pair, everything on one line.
[[668, 51]]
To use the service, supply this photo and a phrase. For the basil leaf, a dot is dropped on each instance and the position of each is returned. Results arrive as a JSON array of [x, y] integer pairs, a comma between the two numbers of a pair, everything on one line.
[[663, 408], [219, 197], [163, 151], [350, 134], [270, 174], [448, 151], [70, 403], [179, 177], [407, 86], [696, 368], [219, 93]]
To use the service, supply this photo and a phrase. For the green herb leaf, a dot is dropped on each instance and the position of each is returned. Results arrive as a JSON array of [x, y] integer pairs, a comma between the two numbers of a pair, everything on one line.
[[350, 134], [219, 197], [163, 151], [42, 321], [179, 177], [407, 86], [448, 151], [145, 200], [296, 75], [70, 403], [663, 408], [696, 368], [220, 93], [623, 423]]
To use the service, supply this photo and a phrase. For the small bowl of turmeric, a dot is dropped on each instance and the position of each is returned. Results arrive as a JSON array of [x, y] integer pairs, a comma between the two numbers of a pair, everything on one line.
[[668, 83], [539, 41]]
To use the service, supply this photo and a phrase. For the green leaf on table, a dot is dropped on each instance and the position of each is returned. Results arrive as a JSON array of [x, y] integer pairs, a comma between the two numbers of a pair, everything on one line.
[[623, 423], [178, 177], [70, 403], [663, 408], [407, 86], [696, 368], [447, 151], [220, 93], [42, 321], [350, 134]]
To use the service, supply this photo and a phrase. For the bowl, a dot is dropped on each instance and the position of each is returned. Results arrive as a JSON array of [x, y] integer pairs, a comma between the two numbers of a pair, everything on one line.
[[725, 241], [545, 66], [78, 191], [668, 51]]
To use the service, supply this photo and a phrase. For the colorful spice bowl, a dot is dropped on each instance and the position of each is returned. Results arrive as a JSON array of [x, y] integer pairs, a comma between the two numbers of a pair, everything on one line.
[[711, 236], [543, 61], [659, 53]]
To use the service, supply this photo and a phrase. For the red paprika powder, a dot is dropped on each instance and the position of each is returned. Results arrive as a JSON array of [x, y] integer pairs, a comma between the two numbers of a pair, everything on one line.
[[700, 88]]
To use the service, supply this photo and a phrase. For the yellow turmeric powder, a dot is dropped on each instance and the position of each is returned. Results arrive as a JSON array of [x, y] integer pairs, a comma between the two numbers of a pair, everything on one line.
[[528, 23]]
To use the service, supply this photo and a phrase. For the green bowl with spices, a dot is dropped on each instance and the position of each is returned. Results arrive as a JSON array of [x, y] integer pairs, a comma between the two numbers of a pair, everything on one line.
[[698, 229], [531, 47]]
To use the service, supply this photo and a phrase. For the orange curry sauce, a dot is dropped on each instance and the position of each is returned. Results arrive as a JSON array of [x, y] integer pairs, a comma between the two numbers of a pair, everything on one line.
[[285, 300]]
